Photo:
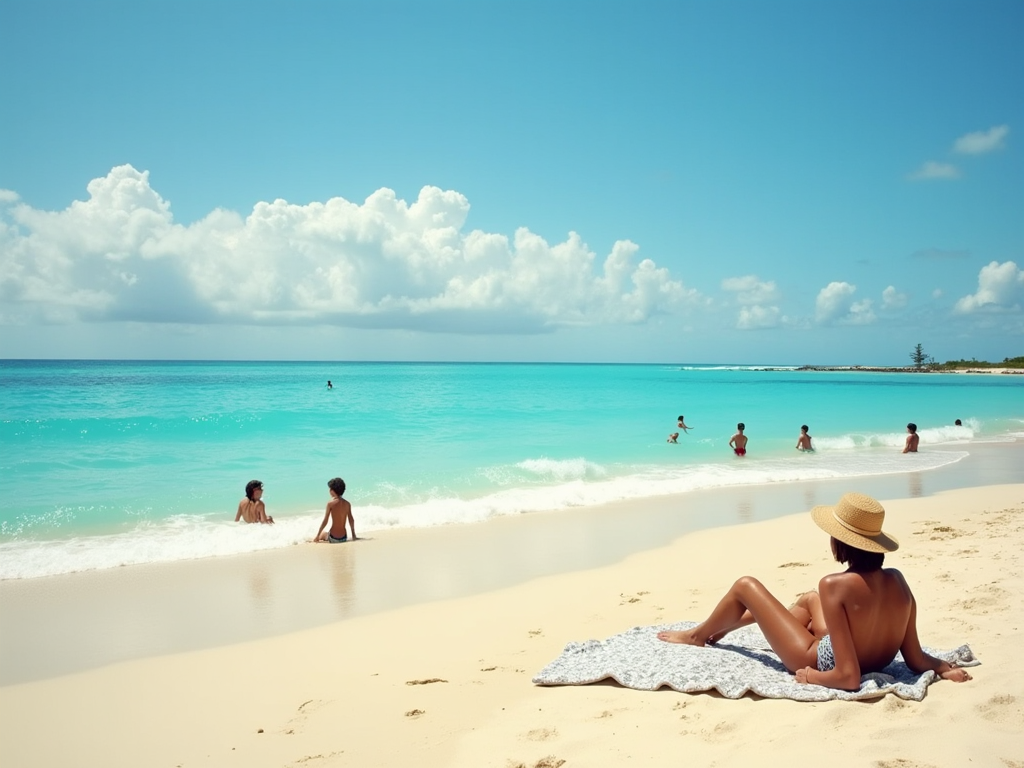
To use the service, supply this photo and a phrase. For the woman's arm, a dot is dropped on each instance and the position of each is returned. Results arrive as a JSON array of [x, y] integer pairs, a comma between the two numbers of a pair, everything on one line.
[[327, 516], [846, 674], [919, 661]]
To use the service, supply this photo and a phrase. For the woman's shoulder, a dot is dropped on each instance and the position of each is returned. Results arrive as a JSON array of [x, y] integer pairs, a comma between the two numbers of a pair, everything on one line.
[[853, 578]]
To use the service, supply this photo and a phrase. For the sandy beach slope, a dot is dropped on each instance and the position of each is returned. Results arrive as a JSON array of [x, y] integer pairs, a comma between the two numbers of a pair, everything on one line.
[[448, 683]]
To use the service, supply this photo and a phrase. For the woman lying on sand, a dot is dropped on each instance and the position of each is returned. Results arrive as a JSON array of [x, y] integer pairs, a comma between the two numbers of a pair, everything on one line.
[[854, 624]]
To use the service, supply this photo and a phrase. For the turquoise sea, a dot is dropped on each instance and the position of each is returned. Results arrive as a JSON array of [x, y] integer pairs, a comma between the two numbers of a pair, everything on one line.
[[118, 462]]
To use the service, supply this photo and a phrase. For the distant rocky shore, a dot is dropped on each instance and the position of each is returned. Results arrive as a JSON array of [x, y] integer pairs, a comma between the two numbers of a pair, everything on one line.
[[905, 369]]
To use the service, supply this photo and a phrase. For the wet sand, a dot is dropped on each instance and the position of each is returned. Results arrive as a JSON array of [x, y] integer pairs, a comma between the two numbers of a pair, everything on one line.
[[447, 682], [153, 610]]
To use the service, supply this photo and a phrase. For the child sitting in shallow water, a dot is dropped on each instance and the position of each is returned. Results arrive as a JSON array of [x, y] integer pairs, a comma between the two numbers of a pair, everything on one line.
[[251, 509], [339, 512]]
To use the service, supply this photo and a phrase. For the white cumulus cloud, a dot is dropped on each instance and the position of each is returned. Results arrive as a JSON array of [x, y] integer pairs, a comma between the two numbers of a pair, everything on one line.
[[757, 316], [893, 299], [383, 263], [935, 170], [835, 305], [980, 142], [757, 300], [751, 290], [1000, 289]]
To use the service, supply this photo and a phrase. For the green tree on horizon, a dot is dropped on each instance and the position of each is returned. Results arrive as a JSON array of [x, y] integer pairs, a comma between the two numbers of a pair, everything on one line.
[[919, 357]]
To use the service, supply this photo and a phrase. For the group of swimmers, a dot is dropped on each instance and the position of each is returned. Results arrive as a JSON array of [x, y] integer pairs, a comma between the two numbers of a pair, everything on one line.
[[251, 509], [738, 442]]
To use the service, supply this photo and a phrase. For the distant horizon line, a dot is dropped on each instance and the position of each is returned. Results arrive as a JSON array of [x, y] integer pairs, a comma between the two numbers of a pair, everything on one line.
[[432, 362]]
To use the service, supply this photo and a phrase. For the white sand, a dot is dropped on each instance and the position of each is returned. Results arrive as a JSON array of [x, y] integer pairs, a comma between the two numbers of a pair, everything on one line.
[[340, 695]]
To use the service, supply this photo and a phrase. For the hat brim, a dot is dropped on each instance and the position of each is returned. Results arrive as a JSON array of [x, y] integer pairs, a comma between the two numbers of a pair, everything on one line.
[[824, 518]]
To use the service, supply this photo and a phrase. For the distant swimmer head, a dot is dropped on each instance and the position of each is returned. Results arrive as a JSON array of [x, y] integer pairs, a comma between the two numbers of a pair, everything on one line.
[[251, 486], [337, 485], [741, 426], [958, 423], [912, 428], [804, 429]]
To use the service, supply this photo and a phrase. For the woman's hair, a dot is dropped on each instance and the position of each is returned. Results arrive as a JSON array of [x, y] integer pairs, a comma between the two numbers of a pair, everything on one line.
[[251, 486], [337, 485], [859, 560]]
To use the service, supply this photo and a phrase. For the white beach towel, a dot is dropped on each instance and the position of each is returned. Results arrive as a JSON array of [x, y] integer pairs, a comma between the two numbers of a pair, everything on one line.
[[742, 663]]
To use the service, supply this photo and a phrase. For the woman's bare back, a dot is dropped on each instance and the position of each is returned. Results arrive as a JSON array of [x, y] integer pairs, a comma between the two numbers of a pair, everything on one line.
[[867, 614]]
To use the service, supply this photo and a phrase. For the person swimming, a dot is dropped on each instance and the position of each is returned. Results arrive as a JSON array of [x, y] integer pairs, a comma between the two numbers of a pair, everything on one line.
[[856, 622], [803, 443]]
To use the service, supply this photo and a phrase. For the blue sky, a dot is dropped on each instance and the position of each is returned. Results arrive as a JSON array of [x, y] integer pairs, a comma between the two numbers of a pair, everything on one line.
[[787, 182]]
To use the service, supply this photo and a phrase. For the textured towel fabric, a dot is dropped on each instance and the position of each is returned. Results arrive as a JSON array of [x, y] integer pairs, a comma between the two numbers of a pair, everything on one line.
[[743, 662]]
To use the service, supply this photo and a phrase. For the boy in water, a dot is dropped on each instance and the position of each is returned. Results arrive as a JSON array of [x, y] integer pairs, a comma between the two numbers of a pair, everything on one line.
[[673, 437], [739, 440], [912, 439], [251, 509], [339, 512], [803, 443]]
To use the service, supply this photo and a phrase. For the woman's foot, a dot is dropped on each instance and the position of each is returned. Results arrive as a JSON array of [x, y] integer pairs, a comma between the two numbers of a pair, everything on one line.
[[685, 637]]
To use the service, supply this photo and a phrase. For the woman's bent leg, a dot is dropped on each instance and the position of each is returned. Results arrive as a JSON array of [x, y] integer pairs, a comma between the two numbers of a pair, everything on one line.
[[788, 637]]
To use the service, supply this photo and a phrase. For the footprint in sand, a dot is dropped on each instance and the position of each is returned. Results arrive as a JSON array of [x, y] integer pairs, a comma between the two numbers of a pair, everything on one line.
[[899, 762], [895, 705], [415, 713], [545, 762], [794, 565], [722, 731], [986, 599], [302, 714], [549, 762], [679, 706], [541, 734], [428, 681], [1003, 709], [310, 758], [945, 533]]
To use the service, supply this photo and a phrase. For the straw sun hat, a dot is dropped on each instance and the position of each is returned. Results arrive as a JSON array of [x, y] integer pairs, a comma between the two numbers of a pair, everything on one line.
[[856, 520]]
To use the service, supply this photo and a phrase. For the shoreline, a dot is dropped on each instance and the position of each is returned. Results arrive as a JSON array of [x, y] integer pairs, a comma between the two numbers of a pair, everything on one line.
[[891, 369], [447, 683], [165, 608]]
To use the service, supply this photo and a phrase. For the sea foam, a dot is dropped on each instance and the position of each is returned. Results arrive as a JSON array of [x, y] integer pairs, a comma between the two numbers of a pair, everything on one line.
[[573, 483]]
